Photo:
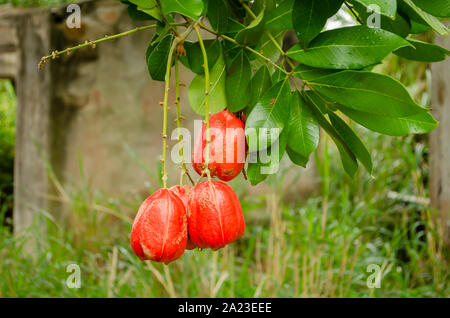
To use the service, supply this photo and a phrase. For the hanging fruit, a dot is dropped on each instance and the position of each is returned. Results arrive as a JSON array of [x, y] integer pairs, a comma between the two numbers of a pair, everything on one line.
[[159, 231], [227, 149], [214, 215]]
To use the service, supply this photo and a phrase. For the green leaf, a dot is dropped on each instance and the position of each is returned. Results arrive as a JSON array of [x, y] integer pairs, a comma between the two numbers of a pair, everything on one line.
[[271, 112], [157, 57], [218, 15], [281, 17], [277, 76], [268, 48], [234, 27], [348, 159], [259, 84], [309, 17], [398, 25], [303, 130], [194, 57], [308, 73], [387, 7], [417, 14], [262, 164], [352, 141], [325, 106], [419, 123], [217, 95], [189, 8], [438, 8], [297, 158], [237, 82], [348, 48], [423, 51], [368, 92], [253, 32], [137, 13]]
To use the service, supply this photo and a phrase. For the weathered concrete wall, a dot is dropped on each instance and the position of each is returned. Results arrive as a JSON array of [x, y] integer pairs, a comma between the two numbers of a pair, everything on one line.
[[440, 140], [24, 38]]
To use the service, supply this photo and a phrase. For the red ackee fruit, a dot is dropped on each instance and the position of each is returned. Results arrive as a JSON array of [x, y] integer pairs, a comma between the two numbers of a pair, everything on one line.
[[159, 231], [183, 194], [227, 148], [214, 215]]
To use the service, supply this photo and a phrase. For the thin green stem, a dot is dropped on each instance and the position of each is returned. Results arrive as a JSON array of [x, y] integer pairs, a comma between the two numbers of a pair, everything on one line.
[[184, 170], [166, 97], [223, 36], [176, 41], [174, 30], [207, 86], [270, 36], [355, 15], [246, 8], [55, 54], [94, 43]]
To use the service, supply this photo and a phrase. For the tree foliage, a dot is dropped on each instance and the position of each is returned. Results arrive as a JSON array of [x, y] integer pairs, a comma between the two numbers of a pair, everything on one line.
[[326, 74]]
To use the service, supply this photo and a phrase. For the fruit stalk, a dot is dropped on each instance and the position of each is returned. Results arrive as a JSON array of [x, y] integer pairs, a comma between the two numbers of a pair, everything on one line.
[[176, 41], [207, 86], [184, 170]]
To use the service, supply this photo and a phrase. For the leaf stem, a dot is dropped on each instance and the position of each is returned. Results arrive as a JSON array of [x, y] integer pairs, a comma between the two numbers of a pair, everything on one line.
[[207, 87], [93, 44], [184, 170], [223, 36], [176, 41]]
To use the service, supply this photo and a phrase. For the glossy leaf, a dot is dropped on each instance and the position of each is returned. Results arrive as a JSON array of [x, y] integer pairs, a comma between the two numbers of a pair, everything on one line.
[[309, 17], [368, 92], [218, 15], [194, 57], [267, 162], [157, 58], [417, 14], [237, 82], [387, 7], [348, 48], [438, 8], [297, 158], [259, 84], [189, 8], [352, 141], [419, 123], [217, 95], [308, 73], [271, 111], [423, 51], [268, 48], [253, 32], [398, 25], [303, 130], [280, 18], [348, 159]]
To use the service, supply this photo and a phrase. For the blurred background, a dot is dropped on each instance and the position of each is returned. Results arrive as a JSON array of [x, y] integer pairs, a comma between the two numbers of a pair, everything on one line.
[[87, 145]]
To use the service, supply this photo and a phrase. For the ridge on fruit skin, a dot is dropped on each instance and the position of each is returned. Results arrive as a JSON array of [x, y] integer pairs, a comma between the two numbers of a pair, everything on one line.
[[183, 194], [215, 215], [159, 231], [227, 148]]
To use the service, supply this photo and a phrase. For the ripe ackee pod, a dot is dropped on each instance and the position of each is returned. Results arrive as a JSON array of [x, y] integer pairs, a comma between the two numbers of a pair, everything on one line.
[[214, 215], [159, 231], [227, 148], [183, 194]]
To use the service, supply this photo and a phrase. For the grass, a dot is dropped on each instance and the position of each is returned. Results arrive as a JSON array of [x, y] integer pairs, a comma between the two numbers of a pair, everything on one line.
[[302, 249], [320, 247]]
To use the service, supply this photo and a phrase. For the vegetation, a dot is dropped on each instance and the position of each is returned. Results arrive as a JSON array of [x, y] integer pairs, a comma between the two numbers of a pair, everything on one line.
[[7, 140], [322, 246]]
